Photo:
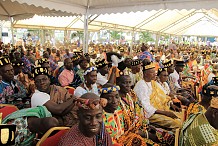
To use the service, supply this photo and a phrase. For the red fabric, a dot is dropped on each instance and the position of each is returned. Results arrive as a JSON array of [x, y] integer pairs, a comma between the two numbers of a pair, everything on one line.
[[6, 110], [71, 91], [54, 140], [116, 144]]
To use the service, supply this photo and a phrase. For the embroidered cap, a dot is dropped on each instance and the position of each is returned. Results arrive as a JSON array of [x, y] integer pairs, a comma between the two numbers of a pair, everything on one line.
[[41, 61], [76, 58], [17, 63], [168, 64], [4, 61], [40, 71], [148, 66], [100, 63], [90, 69], [86, 54], [91, 103], [210, 90], [136, 62], [215, 80], [160, 70]]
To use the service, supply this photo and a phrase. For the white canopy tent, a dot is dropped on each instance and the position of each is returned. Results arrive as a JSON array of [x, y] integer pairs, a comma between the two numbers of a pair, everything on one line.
[[120, 6], [174, 22], [164, 20]]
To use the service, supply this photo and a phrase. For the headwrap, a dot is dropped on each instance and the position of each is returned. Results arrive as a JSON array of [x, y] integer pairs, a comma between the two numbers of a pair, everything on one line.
[[90, 69], [40, 71], [109, 89], [4, 61], [214, 103], [91, 103]]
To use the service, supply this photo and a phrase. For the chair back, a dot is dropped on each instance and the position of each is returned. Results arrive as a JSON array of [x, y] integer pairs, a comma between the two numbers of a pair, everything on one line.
[[7, 134], [7, 109], [53, 140]]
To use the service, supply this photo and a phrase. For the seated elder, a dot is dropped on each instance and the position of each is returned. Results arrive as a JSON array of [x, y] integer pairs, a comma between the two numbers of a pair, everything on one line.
[[201, 128], [89, 85], [56, 99], [90, 131]]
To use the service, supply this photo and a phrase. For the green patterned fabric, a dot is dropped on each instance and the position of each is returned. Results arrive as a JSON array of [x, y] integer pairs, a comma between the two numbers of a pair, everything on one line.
[[197, 131], [114, 123], [23, 137]]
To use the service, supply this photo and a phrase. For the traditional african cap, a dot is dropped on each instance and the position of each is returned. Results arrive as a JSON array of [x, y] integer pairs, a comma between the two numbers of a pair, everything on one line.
[[78, 52], [214, 102], [41, 61], [17, 63], [160, 70], [207, 91], [121, 49], [76, 57], [124, 73], [86, 54], [148, 66], [136, 62], [100, 63], [40, 71], [204, 52], [4, 61], [92, 53], [91, 103], [180, 63], [109, 90], [215, 80], [168, 64]]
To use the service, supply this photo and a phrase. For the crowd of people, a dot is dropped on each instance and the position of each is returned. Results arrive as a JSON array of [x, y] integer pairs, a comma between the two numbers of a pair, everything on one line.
[[112, 95]]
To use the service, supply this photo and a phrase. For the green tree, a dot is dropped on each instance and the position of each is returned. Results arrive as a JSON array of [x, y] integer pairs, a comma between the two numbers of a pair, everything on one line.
[[145, 37], [115, 35], [79, 34]]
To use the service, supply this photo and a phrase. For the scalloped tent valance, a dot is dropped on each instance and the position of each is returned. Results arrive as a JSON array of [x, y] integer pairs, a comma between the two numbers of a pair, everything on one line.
[[119, 6]]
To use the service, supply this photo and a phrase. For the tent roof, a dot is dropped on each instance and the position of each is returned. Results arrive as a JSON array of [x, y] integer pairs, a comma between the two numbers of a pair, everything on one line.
[[183, 22], [22, 11], [120, 6]]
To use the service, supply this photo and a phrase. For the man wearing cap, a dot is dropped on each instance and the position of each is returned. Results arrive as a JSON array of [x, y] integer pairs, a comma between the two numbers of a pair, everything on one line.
[[154, 101], [68, 54], [11, 90], [55, 98], [213, 73], [179, 64], [102, 75], [136, 73], [201, 128], [52, 64]]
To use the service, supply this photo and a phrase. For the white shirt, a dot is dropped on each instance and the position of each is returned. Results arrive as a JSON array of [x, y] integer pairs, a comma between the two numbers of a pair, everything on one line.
[[101, 80], [39, 98], [80, 91], [209, 78], [115, 60], [143, 91], [175, 77]]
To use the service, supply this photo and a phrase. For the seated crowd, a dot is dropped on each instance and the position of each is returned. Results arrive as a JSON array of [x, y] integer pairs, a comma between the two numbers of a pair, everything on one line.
[[109, 97]]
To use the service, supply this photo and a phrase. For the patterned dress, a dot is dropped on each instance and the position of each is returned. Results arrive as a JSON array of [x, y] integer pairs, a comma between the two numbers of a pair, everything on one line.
[[12, 93], [197, 131]]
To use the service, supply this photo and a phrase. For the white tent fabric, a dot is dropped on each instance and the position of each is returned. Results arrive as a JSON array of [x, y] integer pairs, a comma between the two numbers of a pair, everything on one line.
[[120, 6], [19, 11], [175, 22]]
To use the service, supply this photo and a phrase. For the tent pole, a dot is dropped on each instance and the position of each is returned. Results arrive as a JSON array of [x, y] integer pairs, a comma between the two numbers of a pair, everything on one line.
[[133, 38], [157, 40], [12, 29], [86, 35]]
